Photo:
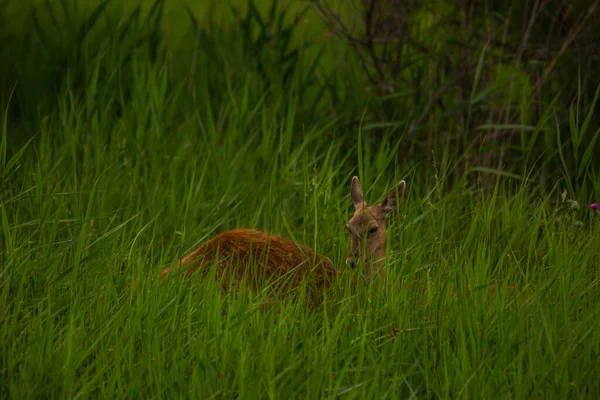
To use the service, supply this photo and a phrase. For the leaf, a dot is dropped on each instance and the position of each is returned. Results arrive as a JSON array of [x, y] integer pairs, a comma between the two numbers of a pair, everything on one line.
[[53, 15], [91, 21], [132, 19], [38, 28], [192, 17], [13, 160], [6, 229], [478, 72], [587, 155], [497, 172], [562, 157], [590, 114], [68, 16], [507, 127], [380, 125], [575, 137], [4, 143]]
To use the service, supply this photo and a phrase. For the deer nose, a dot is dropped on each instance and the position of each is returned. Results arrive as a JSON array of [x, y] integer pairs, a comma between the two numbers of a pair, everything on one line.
[[351, 261]]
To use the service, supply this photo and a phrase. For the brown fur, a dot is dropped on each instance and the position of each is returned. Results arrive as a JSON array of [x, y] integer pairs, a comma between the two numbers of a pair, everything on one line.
[[278, 260], [284, 263], [368, 228]]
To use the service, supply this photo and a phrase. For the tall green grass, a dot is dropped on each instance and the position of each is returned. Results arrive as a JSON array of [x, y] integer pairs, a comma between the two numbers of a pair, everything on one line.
[[82, 204], [487, 295]]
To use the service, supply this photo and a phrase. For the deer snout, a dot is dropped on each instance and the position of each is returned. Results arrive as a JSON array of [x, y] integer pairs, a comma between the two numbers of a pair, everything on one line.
[[352, 261]]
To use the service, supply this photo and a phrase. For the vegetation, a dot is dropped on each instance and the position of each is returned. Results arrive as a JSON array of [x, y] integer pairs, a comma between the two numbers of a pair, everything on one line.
[[132, 133]]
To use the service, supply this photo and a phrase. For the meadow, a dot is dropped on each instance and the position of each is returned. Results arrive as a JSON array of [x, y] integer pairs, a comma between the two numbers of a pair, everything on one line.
[[128, 160]]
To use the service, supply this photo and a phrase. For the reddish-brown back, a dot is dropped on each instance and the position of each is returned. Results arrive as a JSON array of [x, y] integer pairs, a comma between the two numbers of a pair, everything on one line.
[[259, 257]]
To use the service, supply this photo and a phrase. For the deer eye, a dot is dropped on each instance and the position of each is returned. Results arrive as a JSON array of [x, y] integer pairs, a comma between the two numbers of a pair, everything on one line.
[[372, 231]]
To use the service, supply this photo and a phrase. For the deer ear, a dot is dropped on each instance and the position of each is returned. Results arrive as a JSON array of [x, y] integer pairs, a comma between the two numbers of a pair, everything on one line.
[[389, 203], [356, 192]]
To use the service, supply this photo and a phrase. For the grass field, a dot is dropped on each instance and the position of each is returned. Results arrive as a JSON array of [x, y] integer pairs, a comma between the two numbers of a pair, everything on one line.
[[489, 294]]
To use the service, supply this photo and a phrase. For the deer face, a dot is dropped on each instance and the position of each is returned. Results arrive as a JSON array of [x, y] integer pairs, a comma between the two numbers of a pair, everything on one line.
[[367, 227]]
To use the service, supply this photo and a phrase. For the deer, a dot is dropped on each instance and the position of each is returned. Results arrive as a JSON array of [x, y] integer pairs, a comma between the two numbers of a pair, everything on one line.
[[368, 229], [278, 260], [288, 264]]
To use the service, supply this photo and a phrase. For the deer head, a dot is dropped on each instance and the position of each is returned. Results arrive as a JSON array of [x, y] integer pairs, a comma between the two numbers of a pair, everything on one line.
[[367, 227]]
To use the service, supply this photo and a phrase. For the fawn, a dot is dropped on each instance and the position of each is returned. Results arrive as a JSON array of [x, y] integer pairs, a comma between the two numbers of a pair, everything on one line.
[[288, 264], [279, 260], [368, 228]]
